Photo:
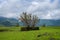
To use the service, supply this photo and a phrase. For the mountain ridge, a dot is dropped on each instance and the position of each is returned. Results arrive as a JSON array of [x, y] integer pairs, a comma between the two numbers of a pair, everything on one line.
[[12, 22]]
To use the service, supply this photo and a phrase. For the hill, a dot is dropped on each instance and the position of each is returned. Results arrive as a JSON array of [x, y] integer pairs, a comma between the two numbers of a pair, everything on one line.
[[12, 21], [8, 21]]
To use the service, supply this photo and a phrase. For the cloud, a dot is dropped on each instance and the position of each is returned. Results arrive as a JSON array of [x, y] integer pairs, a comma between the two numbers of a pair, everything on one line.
[[45, 9], [10, 15], [33, 7], [42, 5], [9, 8]]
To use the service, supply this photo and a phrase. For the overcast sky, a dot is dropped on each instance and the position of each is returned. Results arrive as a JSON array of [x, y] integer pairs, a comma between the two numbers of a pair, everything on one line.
[[45, 9]]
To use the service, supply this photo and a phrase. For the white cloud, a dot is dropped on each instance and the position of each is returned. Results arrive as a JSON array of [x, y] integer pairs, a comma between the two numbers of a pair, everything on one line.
[[33, 6], [10, 15], [3, 3], [45, 9], [54, 14], [9, 8], [42, 5], [48, 16]]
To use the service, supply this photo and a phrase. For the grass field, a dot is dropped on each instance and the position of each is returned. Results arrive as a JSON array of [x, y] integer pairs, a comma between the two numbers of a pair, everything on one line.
[[45, 33]]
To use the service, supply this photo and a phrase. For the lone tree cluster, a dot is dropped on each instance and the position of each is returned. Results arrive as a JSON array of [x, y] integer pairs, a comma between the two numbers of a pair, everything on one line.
[[29, 21]]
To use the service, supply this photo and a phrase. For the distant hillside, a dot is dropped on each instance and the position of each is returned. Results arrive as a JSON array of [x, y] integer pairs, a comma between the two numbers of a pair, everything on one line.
[[8, 21], [12, 22], [49, 22]]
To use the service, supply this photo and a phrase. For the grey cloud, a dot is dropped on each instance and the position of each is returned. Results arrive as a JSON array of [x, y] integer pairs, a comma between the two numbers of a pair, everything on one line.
[[43, 8]]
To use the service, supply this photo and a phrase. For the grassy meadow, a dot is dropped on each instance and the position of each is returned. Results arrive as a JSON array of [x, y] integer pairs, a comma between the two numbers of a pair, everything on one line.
[[45, 33]]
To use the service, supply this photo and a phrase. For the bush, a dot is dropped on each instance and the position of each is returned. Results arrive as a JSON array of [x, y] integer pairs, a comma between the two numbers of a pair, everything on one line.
[[3, 30], [29, 28]]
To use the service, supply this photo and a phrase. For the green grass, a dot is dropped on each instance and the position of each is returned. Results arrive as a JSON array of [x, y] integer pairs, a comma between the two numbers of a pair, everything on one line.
[[16, 34]]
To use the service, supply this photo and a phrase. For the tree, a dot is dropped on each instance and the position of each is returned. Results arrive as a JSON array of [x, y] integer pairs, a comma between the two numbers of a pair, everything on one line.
[[28, 20], [17, 24], [43, 25]]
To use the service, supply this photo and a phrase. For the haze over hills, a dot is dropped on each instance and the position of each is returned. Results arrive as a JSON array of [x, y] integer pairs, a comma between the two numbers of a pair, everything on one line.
[[12, 22], [8, 21]]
